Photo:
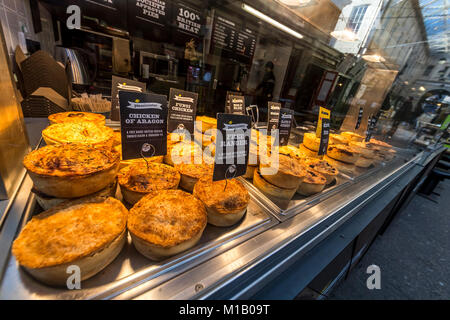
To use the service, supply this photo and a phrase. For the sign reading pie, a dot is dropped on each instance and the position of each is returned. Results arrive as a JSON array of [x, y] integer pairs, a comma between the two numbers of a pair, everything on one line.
[[143, 123]]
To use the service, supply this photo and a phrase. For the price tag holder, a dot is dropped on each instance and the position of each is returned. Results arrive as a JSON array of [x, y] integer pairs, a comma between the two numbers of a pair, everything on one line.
[[122, 84], [237, 104], [232, 146], [273, 115], [324, 136], [284, 125], [324, 113], [143, 121], [182, 110], [360, 114], [227, 100]]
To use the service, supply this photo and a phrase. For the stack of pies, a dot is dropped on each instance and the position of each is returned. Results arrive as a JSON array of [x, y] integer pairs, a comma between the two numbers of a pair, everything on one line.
[[280, 182], [138, 180], [226, 201], [311, 141], [352, 136], [322, 167], [314, 182], [191, 173], [367, 154], [77, 117], [308, 152], [82, 133], [166, 223], [88, 233], [72, 170]]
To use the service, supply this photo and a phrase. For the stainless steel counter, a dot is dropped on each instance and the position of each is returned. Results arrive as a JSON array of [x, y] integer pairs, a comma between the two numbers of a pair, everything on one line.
[[228, 262]]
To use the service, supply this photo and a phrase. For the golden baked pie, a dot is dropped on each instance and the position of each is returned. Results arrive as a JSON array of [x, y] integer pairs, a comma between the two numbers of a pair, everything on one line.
[[77, 117], [364, 162], [191, 173], [88, 233], [271, 191], [322, 167], [83, 132], [337, 139], [207, 122], [313, 183], [117, 138], [286, 173], [352, 136], [363, 148], [226, 201], [348, 168], [165, 223], [47, 202], [138, 179], [311, 141], [71, 170], [124, 163], [380, 144], [343, 153]]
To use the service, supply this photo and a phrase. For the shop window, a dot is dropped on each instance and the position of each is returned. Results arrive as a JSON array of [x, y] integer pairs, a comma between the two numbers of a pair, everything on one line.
[[356, 17]]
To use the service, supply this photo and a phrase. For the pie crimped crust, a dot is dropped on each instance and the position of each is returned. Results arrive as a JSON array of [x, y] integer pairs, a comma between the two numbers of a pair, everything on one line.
[[311, 141], [343, 153], [71, 170], [82, 132], [313, 183], [138, 179], [167, 222], [289, 174], [226, 201], [76, 116], [322, 167]]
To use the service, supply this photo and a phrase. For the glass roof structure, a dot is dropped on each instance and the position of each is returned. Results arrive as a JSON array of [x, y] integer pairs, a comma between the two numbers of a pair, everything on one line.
[[436, 19]]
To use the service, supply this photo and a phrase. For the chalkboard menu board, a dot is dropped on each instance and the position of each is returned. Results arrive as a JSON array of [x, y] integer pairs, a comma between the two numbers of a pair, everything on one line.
[[229, 35]]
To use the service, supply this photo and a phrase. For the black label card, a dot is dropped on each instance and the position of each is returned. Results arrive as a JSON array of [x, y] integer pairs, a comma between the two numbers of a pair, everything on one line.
[[273, 115], [360, 114], [284, 125], [122, 84], [143, 121], [227, 100], [182, 109], [237, 104], [232, 146], [324, 135], [371, 123]]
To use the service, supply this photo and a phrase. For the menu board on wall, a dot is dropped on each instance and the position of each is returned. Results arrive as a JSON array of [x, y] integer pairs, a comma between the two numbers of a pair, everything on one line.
[[229, 35]]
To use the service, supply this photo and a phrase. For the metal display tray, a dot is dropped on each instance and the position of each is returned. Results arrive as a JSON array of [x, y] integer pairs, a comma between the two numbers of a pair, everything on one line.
[[130, 268], [298, 204]]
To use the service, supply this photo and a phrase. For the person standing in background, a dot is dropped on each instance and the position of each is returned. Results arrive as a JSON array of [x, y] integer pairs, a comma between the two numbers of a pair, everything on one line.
[[265, 89]]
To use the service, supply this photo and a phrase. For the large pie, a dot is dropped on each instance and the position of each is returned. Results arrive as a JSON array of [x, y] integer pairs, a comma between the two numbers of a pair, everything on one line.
[[82, 132], [77, 117], [71, 170], [166, 222], [191, 173], [87, 233]]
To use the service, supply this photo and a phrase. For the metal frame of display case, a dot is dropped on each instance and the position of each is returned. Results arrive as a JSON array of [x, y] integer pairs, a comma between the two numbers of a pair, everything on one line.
[[233, 263]]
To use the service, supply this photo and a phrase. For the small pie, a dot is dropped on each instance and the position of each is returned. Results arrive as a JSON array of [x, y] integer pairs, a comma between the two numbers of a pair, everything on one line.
[[322, 167], [337, 139], [226, 201], [166, 222], [207, 122], [77, 117], [352, 136], [313, 183], [272, 191], [88, 233], [82, 132], [308, 152], [183, 152], [343, 153], [286, 173], [138, 180], [72, 170], [344, 167], [381, 144], [311, 141]]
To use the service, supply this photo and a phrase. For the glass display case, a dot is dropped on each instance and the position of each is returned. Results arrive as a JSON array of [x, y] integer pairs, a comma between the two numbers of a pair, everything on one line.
[[363, 79]]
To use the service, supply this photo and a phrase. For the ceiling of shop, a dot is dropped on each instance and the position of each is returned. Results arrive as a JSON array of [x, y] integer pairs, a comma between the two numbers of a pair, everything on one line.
[[436, 19]]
